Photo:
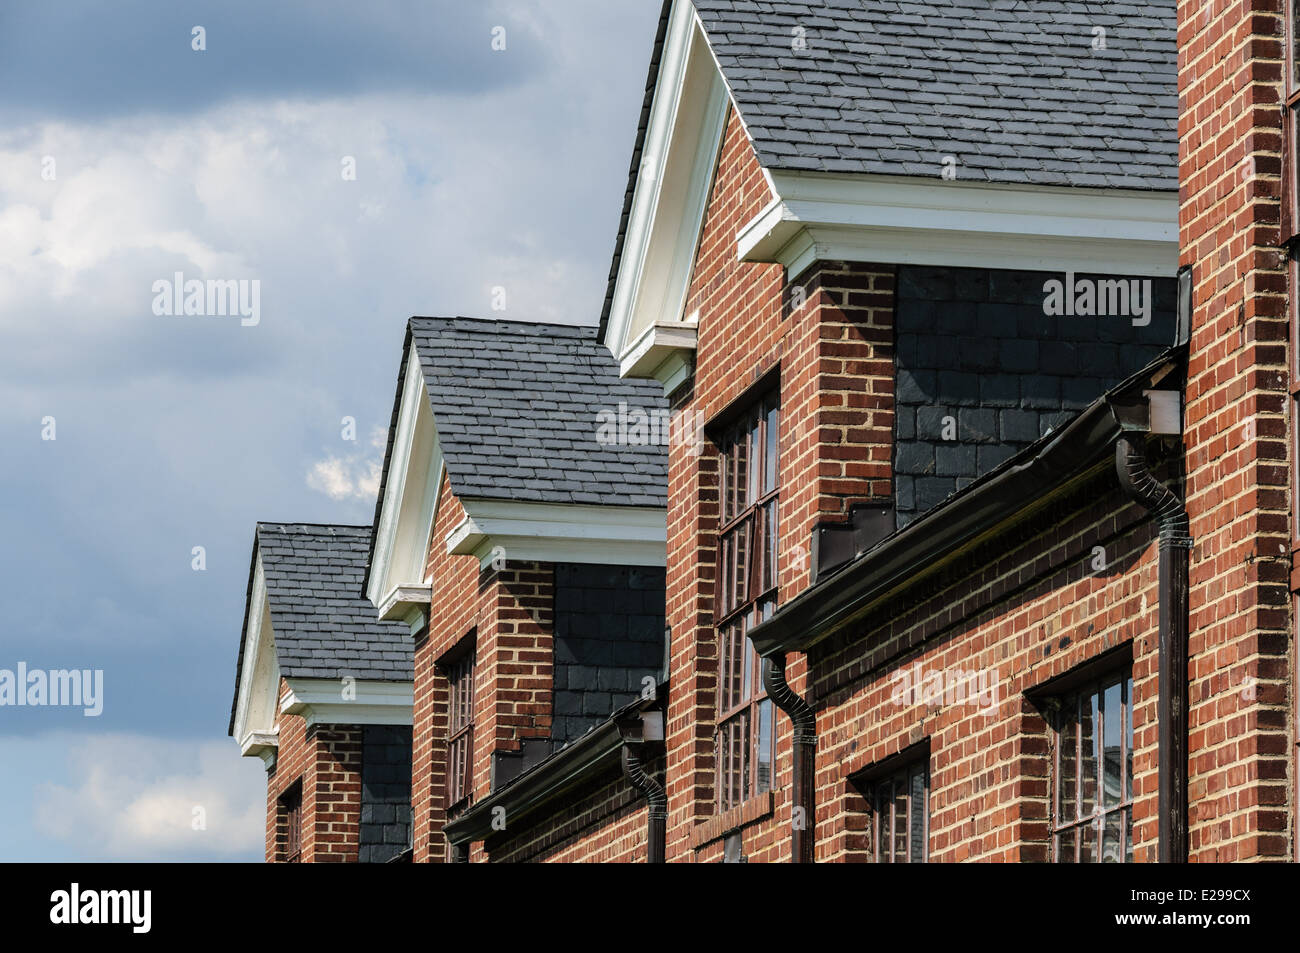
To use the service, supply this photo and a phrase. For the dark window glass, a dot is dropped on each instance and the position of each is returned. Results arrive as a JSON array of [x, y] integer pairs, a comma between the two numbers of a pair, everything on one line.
[[900, 815], [747, 581], [1093, 774], [291, 817], [460, 730]]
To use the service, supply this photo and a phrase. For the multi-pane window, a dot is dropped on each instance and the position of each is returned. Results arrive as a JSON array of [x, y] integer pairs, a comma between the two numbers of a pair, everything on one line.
[[746, 595], [460, 729], [900, 815], [1092, 815], [291, 815]]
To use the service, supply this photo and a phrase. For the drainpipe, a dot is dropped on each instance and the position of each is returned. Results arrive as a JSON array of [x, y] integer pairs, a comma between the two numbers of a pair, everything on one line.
[[805, 750], [637, 731], [1171, 705]]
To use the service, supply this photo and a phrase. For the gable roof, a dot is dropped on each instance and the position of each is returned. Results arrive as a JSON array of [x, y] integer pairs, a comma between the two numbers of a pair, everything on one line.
[[323, 625], [1014, 90], [515, 405]]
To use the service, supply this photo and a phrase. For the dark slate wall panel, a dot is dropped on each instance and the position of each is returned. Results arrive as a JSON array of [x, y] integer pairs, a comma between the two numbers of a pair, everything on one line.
[[977, 351], [385, 792], [609, 635]]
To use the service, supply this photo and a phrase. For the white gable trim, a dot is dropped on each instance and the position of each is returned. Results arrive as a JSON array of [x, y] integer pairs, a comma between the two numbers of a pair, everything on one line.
[[327, 701], [410, 502], [687, 120], [553, 532], [259, 678], [896, 220]]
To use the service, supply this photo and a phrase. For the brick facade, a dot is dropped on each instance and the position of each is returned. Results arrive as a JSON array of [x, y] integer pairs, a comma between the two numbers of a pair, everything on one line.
[[1241, 651]]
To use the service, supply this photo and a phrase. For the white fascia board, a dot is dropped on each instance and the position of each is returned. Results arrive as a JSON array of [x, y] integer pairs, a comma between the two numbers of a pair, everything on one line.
[[321, 701], [896, 220], [553, 532], [259, 677], [393, 563], [687, 119]]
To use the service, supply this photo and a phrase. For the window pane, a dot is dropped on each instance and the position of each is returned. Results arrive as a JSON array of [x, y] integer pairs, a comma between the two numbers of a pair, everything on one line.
[[1067, 804], [900, 813], [1128, 836], [1066, 843], [769, 538], [747, 668], [740, 572], [764, 755], [1089, 728], [1110, 839], [1088, 843], [756, 457], [1112, 715], [917, 821], [884, 842], [1128, 739], [769, 457]]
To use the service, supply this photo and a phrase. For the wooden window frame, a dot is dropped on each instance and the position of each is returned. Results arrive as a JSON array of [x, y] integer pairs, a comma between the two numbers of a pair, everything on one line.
[[746, 593], [290, 804], [881, 795], [460, 674], [1096, 687]]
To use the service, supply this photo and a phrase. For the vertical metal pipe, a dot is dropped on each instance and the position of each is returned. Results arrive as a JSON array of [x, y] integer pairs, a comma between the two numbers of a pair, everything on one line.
[[656, 798], [1171, 705], [803, 836]]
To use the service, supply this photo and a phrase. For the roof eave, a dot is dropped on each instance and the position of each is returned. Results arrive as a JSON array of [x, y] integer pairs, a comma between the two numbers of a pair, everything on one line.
[[1041, 472]]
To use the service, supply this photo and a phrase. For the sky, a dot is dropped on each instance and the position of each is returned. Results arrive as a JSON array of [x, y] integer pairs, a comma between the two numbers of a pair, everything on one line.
[[137, 448]]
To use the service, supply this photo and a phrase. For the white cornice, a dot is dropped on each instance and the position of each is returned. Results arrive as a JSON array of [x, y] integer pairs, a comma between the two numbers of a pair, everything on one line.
[[897, 220], [259, 676], [410, 500], [680, 150], [327, 701], [409, 604], [550, 532]]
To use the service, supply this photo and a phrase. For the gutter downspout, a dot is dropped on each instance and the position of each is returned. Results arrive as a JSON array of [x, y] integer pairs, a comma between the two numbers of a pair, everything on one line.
[[802, 835], [1171, 704], [637, 732]]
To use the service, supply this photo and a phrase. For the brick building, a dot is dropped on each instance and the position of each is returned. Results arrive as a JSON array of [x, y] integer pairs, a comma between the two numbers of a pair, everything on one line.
[[323, 696], [980, 543]]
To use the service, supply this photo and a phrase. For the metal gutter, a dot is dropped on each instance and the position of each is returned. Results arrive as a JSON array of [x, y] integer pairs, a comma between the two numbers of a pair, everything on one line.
[[1008, 494], [568, 768]]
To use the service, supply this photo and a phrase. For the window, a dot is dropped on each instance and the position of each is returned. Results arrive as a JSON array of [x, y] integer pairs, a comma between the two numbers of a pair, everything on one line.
[[291, 817], [1092, 770], [900, 816], [460, 729], [746, 595]]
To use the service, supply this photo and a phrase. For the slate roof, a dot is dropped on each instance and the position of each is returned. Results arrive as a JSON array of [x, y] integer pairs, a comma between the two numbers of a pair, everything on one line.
[[324, 626], [516, 408], [1012, 88]]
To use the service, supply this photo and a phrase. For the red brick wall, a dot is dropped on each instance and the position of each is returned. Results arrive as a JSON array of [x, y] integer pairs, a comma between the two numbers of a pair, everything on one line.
[[831, 335], [508, 612], [1230, 69], [326, 759], [604, 821], [1037, 609]]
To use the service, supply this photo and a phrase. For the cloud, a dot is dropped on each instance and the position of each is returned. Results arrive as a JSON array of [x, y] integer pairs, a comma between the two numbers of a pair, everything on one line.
[[136, 797], [342, 478]]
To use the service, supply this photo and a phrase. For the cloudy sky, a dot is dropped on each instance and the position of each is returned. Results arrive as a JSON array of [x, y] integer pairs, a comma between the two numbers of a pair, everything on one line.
[[127, 156]]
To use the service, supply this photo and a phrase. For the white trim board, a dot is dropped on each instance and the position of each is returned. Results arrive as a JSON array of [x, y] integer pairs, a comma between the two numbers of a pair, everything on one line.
[[321, 701], [259, 678], [679, 154], [555, 532], [895, 220], [411, 495]]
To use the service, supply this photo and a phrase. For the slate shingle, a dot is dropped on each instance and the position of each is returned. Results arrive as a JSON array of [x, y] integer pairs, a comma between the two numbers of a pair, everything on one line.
[[324, 626], [950, 77], [521, 420]]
